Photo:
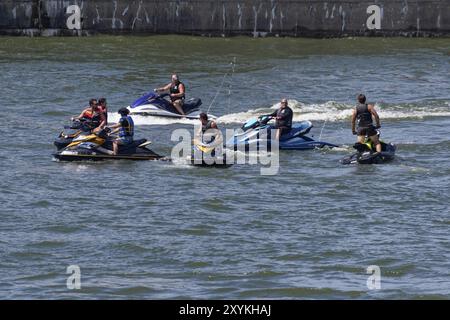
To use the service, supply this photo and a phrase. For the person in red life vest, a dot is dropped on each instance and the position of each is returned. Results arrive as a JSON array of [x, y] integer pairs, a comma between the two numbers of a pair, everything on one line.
[[177, 92], [95, 116], [88, 112]]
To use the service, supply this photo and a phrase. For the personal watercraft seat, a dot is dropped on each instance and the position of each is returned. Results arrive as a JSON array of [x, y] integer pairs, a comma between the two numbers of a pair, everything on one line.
[[130, 148], [189, 106], [298, 129]]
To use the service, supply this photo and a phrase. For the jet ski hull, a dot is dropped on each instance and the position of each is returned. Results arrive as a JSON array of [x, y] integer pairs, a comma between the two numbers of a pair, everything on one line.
[[292, 145], [78, 128], [79, 156], [204, 156], [296, 139], [218, 163], [154, 105], [86, 151]]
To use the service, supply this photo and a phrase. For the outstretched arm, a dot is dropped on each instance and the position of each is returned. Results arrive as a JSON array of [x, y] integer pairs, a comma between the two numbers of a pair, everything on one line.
[[165, 88], [81, 115]]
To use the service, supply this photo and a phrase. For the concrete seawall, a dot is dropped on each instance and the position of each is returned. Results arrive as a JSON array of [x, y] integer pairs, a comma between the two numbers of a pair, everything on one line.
[[314, 18]]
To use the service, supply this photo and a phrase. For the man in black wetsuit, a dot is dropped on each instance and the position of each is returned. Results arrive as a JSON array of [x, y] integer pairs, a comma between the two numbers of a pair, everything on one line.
[[283, 118], [364, 114], [177, 92]]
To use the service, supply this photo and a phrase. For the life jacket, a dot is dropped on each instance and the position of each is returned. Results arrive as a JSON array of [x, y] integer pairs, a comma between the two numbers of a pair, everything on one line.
[[206, 126], [87, 114], [175, 89], [127, 128], [363, 116], [286, 115]]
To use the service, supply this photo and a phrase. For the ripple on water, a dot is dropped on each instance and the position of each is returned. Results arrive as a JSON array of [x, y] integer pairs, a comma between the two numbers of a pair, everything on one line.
[[64, 229], [134, 291], [198, 231], [47, 244], [216, 205], [298, 292]]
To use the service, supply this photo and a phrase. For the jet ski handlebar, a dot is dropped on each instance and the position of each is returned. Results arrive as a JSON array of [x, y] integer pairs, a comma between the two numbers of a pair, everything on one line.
[[158, 96]]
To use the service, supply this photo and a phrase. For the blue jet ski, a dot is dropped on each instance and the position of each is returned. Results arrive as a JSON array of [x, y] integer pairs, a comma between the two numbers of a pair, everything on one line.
[[252, 137], [153, 104]]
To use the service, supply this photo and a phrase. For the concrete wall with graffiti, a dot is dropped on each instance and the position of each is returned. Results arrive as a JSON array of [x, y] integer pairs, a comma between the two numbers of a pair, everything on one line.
[[314, 18]]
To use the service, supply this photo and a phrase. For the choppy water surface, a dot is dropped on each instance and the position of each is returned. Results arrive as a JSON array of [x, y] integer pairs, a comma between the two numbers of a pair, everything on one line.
[[160, 230]]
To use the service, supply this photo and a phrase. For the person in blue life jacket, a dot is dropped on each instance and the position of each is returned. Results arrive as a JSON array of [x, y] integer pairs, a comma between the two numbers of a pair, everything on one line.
[[363, 122], [177, 91], [283, 117], [125, 128]]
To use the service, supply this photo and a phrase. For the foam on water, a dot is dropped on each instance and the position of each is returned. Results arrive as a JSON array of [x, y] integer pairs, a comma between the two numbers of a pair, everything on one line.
[[328, 111], [146, 120], [335, 111]]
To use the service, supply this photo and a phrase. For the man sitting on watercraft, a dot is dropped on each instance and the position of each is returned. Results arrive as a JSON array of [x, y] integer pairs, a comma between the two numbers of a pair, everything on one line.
[[283, 118], [94, 114], [125, 127], [177, 92], [364, 113]]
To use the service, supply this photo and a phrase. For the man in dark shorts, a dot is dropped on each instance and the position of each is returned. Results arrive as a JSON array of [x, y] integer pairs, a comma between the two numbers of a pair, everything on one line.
[[364, 114], [283, 118]]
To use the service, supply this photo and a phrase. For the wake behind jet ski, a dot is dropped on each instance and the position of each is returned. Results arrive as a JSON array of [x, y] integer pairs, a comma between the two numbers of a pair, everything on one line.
[[99, 146], [366, 153], [257, 133]]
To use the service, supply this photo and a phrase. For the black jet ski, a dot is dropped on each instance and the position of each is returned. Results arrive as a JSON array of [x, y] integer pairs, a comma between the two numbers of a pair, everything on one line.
[[79, 128], [366, 153], [96, 147]]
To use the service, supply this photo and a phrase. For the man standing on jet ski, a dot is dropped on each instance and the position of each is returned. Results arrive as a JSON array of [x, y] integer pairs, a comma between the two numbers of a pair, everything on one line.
[[283, 118], [177, 92], [95, 116], [364, 114], [125, 127]]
